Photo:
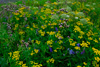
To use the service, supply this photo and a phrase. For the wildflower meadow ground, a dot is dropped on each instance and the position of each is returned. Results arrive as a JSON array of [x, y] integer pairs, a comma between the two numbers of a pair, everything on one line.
[[50, 33]]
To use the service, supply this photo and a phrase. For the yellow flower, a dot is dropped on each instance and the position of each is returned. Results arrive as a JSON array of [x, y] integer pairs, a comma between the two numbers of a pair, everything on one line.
[[84, 63], [31, 62], [55, 3], [51, 33], [80, 37], [52, 60], [84, 44], [99, 39], [79, 66], [16, 55], [55, 50], [32, 53], [82, 33], [21, 16], [16, 25], [43, 27], [38, 42], [15, 13], [77, 48], [29, 48], [20, 62], [60, 41], [88, 42], [96, 51], [10, 54], [24, 65], [36, 50], [77, 28], [17, 18], [90, 38], [73, 44], [95, 40], [42, 33], [97, 59], [27, 27], [31, 29], [49, 42], [45, 5], [21, 32], [40, 64], [32, 41]]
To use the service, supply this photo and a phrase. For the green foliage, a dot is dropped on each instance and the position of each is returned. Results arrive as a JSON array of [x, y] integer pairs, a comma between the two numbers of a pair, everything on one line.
[[48, 33]]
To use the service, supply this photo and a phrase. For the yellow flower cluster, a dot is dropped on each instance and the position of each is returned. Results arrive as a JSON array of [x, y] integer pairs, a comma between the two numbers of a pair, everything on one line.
[[16, 55], [84, 63], [35, 64], [60, 41], [50, 60], [51, 33], [58, 35], [95, 64], [24, 65], [43, 18], [97, 59], [20, 62], [95, 40], [35, 26], [47, 11], [79, 66], [84, 44], [72, 43], [35, 51], [79, 30], [16, 25], [52, 24], [90, 38], [21, 32], [55, 3], [49, 42], [89, 33], [41, 32], [38, 42], [96, 51], [32, 53], [77, 48], [44, 26], [79, 23], [21, 13]]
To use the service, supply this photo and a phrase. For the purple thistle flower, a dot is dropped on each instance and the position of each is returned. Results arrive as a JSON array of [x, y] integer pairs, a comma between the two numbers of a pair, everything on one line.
[[68, 49], [63, 54], [56, 29], [68, 36], [50, 49], [29, 39], [78, 45], [77, 51], [60, 25], [71, 52], [26, 25], [83, 51], [55, 41], [36, 31], [33, 18]]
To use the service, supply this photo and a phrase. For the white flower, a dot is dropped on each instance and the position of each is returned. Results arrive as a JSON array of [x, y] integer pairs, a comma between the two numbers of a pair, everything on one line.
[[87, 5], [93, 8], [67, 16], [94, 3], [76, 17]]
